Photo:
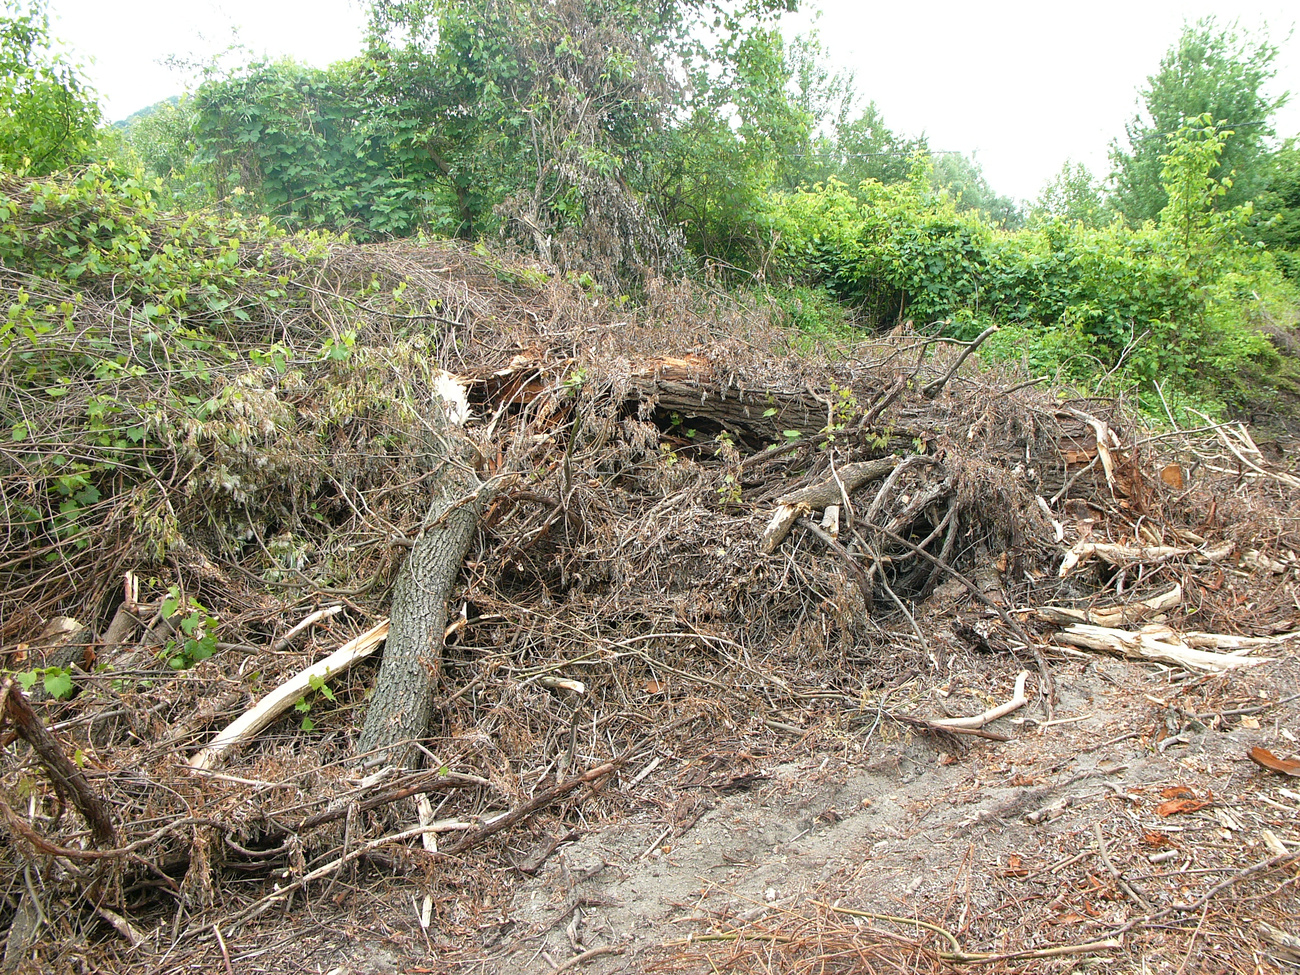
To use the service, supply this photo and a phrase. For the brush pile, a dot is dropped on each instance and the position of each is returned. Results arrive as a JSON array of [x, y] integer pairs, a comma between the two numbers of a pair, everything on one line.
[[696, 519]]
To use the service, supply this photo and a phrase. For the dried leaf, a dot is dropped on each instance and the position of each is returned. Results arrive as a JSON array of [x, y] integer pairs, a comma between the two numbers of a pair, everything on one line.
[[1262, 756], [1175, 806], [1172, 475]]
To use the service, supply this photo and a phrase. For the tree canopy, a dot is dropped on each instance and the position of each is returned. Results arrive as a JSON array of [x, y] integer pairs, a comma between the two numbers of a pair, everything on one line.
[[48, 113], [1212, 70]]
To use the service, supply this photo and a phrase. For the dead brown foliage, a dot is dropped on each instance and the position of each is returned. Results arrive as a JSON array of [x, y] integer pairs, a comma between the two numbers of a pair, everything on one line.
[[631, 443]]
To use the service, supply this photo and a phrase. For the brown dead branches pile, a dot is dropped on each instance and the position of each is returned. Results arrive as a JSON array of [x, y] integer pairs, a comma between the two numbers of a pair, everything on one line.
[[698, 518]]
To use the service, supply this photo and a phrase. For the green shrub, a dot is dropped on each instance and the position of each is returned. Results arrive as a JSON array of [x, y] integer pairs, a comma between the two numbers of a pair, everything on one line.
[[1181, 301]]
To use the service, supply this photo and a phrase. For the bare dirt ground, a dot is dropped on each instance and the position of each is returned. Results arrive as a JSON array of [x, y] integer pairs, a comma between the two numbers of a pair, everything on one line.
[[1133, 820]]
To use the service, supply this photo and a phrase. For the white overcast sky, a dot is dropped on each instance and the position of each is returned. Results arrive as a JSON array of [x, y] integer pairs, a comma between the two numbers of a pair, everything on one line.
[[1023, 86]]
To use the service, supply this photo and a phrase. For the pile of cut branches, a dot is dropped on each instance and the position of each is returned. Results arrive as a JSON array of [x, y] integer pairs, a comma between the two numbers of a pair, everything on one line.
[[680, 515]]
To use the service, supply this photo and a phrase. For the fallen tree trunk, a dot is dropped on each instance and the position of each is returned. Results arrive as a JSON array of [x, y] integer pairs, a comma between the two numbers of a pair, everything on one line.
[[402, 707]]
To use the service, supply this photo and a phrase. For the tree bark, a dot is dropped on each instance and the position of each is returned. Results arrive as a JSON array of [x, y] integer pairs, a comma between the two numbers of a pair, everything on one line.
[[402, 707], [68, 780]]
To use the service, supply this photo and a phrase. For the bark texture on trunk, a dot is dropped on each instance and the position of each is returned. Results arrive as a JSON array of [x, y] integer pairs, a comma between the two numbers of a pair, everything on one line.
[[401, 709]]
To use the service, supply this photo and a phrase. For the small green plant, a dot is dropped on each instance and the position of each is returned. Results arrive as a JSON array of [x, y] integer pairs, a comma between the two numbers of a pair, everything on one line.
[[197, 639], [574, 381], [56, 680], [303, 707], [729, 490]]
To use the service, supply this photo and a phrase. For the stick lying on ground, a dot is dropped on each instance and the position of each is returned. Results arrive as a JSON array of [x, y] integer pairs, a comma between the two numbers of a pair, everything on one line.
[[1157, 642], [1018, 700], [246, 727]]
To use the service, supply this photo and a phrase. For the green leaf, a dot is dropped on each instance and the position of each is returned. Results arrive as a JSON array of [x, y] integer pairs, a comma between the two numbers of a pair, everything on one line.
[[58, 683]]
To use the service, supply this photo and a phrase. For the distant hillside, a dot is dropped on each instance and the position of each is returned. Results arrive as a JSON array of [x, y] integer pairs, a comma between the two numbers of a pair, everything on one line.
[[134, 117]]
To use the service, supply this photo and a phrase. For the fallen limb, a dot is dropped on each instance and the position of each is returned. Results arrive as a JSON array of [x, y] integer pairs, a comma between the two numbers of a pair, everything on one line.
[[545, 798], [65, 776], [1160, 643], [246, 727], [1112, 616], [418, 785], [587, 956], [1107, 442], [539, 801], [1119, 878], [864, 586], [958, 956], [440, 827], [1119, 554], [819, 495], [1018, 700]]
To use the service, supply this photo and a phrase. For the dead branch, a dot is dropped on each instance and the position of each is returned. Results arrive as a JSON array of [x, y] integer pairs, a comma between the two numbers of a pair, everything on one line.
[[1124, 885], [1160, 643], [819, 495], [1112, 616], [252, 722], [1018, 700], [64, 775], [931, 389]]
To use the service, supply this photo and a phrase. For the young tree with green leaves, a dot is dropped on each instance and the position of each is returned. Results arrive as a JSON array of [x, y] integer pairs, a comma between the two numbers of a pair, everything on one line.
[[48, 113], [963, 177], [1218, 71], [1073, 195]]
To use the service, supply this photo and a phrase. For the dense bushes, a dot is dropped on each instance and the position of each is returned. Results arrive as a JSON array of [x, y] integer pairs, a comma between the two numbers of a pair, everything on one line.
[[1179, 301]]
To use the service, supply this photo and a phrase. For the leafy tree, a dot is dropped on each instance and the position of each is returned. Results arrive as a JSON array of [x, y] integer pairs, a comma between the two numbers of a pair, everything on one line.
[[748, 128], [865, 148], [48, 113], [552, 122], [329, 148], [592, 131], [964, 179], [1211, 70], [1072, 195], [1276, 222]]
